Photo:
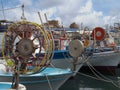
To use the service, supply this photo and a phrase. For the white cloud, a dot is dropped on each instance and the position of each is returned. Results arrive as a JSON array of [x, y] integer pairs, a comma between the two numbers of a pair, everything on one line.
[[26, 2], [78, 11], [89, 17], [87, 8], [66, 11]]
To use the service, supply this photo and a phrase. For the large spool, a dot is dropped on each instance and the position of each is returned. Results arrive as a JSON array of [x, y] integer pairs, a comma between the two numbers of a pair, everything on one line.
[[98, 33], [27, 43], [76, 47]]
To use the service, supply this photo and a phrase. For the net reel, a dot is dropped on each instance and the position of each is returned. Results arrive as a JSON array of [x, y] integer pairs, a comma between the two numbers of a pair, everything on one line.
[[76, 48], [27, 45]]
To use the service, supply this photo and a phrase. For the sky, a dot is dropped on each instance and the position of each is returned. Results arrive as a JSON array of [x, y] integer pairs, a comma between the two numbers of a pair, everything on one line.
[[89, 13]]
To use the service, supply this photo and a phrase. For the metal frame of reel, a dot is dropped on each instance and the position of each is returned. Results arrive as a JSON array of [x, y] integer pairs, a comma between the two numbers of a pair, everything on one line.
[[21, 42]]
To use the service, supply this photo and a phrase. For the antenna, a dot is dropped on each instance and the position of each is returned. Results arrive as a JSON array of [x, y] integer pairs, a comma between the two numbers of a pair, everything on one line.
[[23, 15], [3, 9]]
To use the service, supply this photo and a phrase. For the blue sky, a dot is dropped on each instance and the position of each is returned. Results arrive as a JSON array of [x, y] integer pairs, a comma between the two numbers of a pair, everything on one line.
[[106, 6], [89, 12]]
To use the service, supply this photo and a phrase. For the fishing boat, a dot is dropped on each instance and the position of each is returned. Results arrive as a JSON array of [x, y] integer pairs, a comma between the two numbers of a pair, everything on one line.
[[48, 79], [105, 54], [61, 56], [19, 45]]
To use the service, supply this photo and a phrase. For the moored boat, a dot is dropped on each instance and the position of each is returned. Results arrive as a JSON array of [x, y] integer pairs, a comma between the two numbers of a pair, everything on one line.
[[105, 53], [48, 79], [20, 42], [61, 57]]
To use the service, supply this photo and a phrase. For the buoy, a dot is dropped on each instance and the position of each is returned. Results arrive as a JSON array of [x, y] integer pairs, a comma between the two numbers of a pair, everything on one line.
[[98, 33], [76, 47]]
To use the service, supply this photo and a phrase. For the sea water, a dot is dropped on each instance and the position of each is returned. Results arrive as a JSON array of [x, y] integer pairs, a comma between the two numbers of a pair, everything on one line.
[[82, 82]]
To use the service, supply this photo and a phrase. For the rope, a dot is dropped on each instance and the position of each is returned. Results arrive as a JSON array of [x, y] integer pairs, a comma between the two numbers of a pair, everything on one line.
[[102, 76], [99, 76], [67, 58], [97, 71], [98, 79], [52, 65], [10, 8], [85, 58], [49, 82]]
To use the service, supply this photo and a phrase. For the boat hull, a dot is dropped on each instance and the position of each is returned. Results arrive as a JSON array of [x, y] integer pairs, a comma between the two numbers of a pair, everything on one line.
[[43, 80], [62, 59], [110, 58], [104, 61], [7, 86], [66, 64]]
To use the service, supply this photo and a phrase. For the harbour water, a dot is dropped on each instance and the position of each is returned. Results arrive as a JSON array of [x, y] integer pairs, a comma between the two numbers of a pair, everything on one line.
[[82, 82]]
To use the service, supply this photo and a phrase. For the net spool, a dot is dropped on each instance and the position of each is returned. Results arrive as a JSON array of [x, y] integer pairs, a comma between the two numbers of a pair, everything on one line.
[[28, 44], [76, 47], [98, 34]]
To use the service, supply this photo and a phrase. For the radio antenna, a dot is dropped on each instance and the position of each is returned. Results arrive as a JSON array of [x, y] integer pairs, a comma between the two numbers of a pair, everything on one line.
[[3, 9]]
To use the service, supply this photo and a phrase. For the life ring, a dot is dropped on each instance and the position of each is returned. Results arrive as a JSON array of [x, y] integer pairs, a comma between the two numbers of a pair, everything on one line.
[[98, 34]]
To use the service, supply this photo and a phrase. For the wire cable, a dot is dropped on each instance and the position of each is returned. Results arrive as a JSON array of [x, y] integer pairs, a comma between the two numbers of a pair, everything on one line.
[[49, 82]]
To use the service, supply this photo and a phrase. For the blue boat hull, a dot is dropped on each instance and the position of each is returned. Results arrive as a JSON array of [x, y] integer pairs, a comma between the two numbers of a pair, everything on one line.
[[7, 86], [45, 80]]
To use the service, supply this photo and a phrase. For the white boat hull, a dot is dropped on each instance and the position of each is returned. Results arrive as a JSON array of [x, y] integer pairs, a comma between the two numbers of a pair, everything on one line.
[[104, 61], [110, 58]]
